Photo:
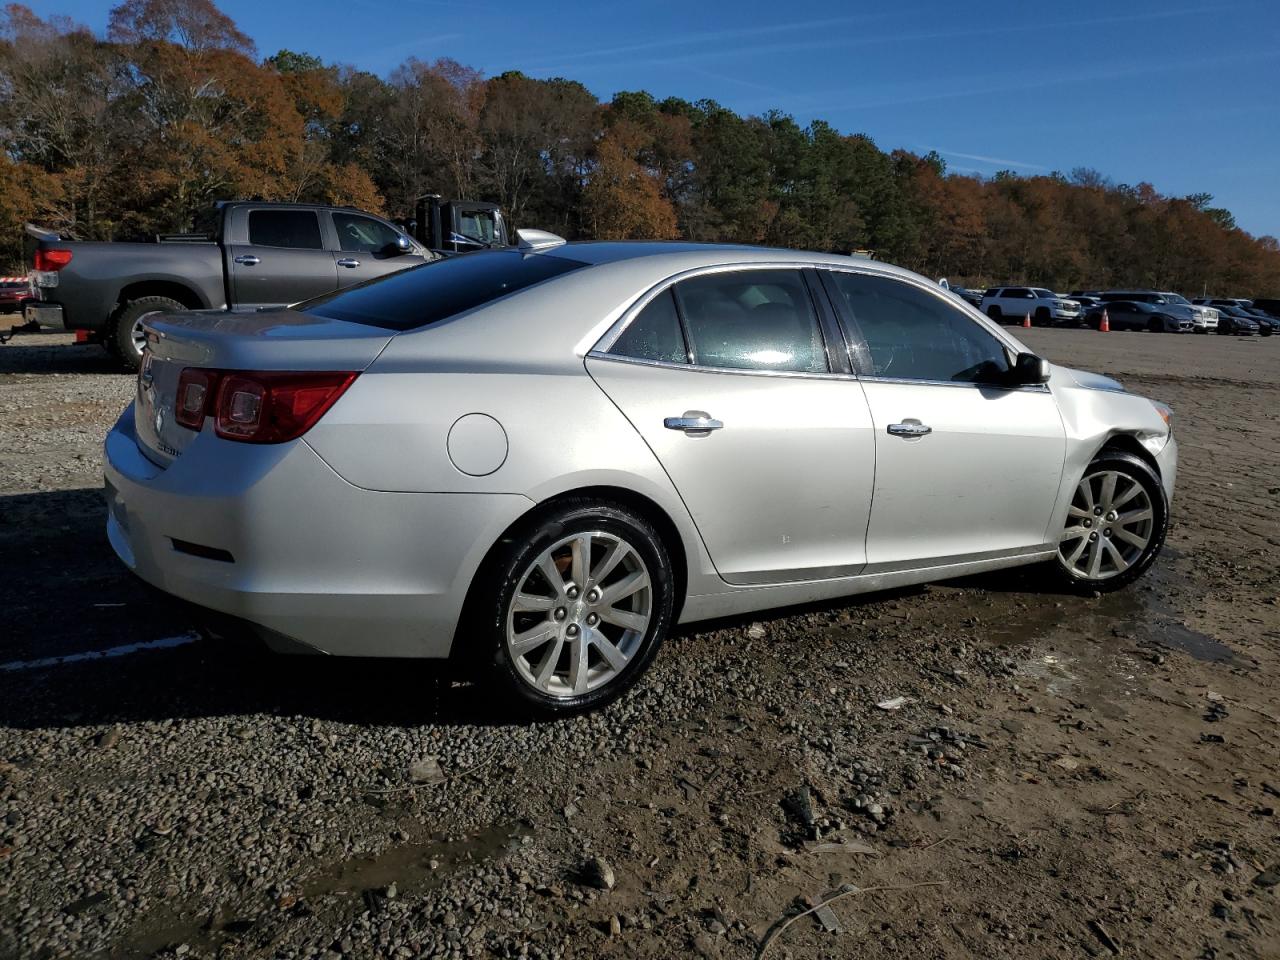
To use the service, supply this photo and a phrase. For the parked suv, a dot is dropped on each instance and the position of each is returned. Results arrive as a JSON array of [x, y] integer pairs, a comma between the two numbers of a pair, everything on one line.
[[1045, 307], [1203, 319], [1270, 307]]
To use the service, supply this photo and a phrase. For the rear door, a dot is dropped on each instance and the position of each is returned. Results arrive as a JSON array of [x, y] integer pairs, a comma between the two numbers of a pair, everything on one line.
[[277, 257], [764, 433], [367, 248], [964, 470]]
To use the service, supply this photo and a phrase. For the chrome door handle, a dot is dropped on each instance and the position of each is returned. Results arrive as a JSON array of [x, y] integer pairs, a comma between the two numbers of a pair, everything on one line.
[[248, 259], [348, 262], [694, 422], [910, 428]]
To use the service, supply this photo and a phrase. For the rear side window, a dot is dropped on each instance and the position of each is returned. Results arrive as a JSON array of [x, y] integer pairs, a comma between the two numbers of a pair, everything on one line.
[[438, 290], [752, 320], [298, 229], [654, 334]]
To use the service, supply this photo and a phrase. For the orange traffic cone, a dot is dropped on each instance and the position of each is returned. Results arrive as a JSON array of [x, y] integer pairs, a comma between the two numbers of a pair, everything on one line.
[[1026, 321], [1105, 325]]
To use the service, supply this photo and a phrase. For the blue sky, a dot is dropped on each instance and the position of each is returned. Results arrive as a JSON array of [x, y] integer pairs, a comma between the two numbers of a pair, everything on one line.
[[1183, 94]]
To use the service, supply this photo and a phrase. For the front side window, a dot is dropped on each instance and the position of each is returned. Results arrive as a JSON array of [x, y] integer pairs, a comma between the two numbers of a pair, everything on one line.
[[363, 234], [654, 334], [752, 320], [297, 229], [914, 335]]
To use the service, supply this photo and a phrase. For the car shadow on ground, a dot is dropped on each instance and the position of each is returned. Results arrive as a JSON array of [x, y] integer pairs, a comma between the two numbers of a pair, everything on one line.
[[63, 593], [35, 353]]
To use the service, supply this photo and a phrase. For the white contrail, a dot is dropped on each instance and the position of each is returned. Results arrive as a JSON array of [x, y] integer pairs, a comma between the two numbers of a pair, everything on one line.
[[121, 651]]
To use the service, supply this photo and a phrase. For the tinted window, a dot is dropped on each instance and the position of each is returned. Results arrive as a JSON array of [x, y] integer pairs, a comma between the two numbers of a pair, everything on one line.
[[654, 334], [439, 290], [299, 229], [914, 335], [993, 293], [362, 233], [753, 320]]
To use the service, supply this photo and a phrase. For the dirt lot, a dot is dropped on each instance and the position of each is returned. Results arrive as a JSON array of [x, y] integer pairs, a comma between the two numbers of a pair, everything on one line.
[[1070, 777]]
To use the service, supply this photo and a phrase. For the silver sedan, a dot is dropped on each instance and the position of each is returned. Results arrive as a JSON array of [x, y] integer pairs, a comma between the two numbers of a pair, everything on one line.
[[535, 462]]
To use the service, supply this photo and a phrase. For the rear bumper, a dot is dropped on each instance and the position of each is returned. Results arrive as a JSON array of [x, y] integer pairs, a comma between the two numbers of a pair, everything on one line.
[[286, 544]]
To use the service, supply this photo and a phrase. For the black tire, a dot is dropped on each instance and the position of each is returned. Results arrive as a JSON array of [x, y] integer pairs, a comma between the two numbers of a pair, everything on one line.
[[996, 314], [504, 572], [1042, 317], [1155, 325], [119, 339], [1141, 473]]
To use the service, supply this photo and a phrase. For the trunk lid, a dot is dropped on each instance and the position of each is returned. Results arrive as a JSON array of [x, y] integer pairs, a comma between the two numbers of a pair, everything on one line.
[[219, 340]]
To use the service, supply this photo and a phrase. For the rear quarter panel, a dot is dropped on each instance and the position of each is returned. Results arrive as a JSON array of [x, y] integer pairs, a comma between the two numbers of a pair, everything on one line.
[[89, 287]]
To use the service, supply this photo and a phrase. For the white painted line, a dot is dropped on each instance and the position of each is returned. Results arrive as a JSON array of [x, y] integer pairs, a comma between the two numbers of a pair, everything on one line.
[[121, 651]]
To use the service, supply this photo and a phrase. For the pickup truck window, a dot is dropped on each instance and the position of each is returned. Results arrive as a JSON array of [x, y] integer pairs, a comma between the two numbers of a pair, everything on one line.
[[438, 290], [364, 234], [297, 229]]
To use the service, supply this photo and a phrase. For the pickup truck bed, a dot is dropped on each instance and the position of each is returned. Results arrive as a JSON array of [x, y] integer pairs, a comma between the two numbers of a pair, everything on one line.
[[265, 255]]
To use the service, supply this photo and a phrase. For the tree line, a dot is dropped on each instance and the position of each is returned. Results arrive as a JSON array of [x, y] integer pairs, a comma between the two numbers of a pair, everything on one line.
[[138, 132]]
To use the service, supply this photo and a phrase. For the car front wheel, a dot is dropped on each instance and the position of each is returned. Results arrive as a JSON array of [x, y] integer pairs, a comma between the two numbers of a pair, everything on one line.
[[576, 606], [1116, 523]]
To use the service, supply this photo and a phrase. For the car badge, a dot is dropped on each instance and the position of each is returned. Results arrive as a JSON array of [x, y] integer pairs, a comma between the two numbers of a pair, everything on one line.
[[159, 420]]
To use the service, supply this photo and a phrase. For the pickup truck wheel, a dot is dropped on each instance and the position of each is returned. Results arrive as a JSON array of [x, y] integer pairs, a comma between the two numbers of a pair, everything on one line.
[[126, 340]]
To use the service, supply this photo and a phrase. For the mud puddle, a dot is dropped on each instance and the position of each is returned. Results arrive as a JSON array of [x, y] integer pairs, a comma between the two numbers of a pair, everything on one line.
[[406, 868], [1097, 649]]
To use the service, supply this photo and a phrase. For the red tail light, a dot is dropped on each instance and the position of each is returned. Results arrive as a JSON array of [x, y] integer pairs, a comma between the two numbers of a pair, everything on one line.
[[257, 406], [54, 259], [195, 394]]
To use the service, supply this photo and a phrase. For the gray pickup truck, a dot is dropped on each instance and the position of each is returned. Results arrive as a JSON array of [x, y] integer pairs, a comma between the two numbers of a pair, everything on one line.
[[264, 255]]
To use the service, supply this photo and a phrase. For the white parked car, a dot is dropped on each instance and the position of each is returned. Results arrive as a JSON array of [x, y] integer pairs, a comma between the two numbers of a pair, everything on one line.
[[536, 462], [1046, 308]]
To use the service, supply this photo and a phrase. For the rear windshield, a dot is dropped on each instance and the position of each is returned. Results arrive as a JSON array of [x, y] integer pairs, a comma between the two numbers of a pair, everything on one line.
[[438, 290]]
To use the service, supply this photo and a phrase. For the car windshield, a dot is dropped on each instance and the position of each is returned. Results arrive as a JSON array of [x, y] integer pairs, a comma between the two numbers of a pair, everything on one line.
[[438, 290], [1174, 298], [1039, 292]]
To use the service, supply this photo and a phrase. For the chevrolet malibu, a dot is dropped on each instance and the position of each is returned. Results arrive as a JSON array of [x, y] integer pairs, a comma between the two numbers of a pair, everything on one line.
[[536, 462]]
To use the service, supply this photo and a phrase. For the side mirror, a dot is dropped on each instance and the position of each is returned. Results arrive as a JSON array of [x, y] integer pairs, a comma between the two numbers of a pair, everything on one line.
[[397, 247], [1029, 370]]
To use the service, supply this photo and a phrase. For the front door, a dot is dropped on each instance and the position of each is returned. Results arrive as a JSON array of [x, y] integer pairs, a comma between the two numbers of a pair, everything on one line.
[[284, 261], [727, 377], [964, 469], [367, 249]]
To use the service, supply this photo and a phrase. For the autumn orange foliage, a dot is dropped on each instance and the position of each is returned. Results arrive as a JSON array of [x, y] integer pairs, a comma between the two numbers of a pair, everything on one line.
[[140, 131]]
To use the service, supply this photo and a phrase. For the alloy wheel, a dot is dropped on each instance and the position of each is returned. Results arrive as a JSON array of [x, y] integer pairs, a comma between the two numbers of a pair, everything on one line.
[[138, 336], [1109, 526], [579, 614]]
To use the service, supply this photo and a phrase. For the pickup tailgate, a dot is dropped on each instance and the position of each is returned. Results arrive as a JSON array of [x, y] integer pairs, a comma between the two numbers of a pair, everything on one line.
[[275, 340]]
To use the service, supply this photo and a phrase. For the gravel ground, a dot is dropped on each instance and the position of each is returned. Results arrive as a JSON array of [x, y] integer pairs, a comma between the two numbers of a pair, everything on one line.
[[1068, 777]]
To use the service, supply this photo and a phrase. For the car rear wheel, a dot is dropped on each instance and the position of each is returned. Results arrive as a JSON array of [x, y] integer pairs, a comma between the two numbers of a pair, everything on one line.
[[127, 340], [575, 606], [1116, 523], [995, 314]]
